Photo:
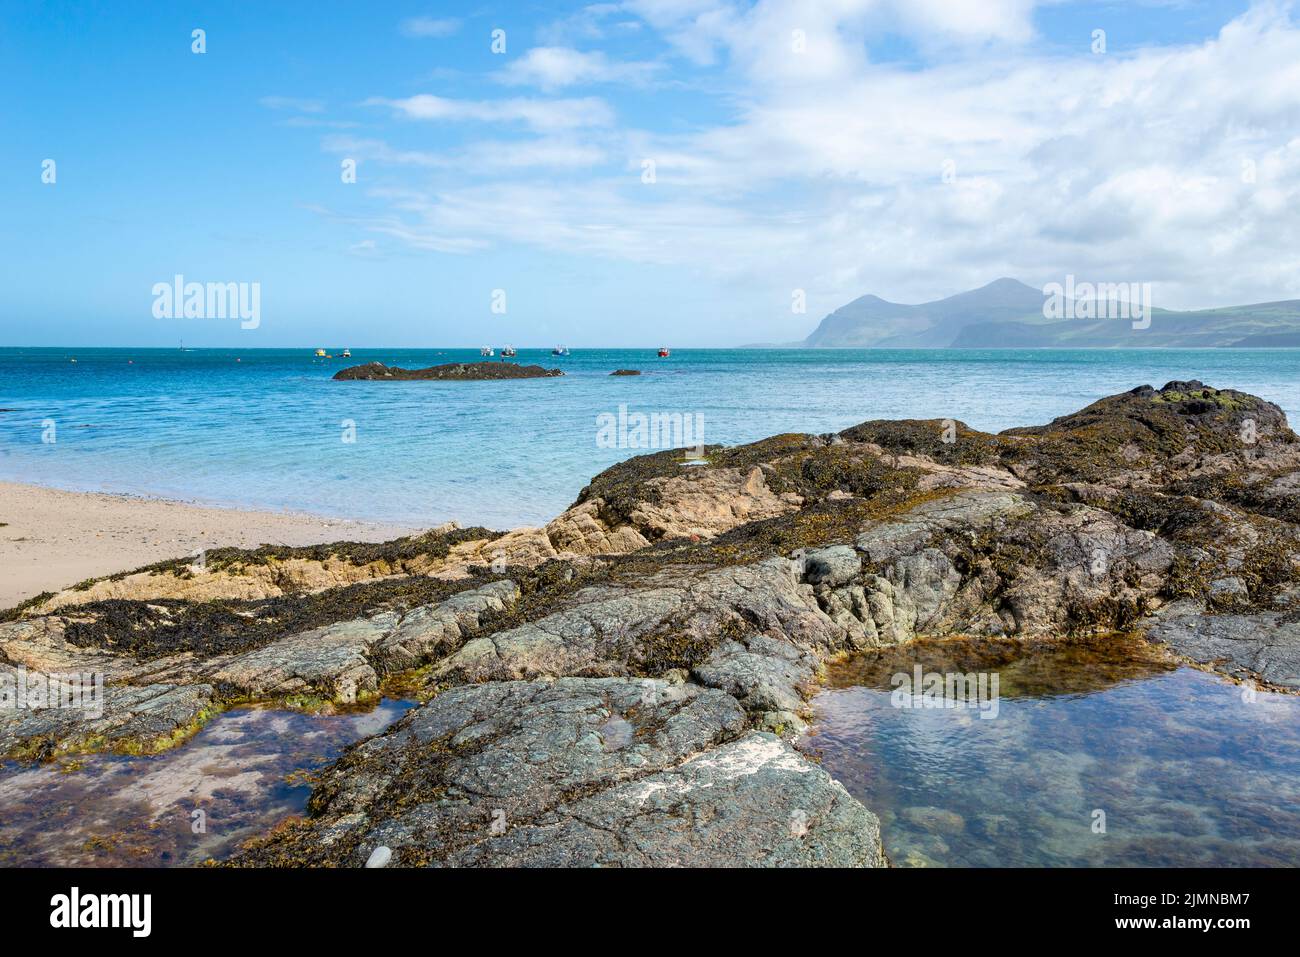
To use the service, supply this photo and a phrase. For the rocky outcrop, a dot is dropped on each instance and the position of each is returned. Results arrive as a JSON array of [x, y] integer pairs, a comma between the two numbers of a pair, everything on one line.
[[577, 772], [1262, 647], [448, 372], [683, 503], [1000, 563], [130, 718], [151, 703], [624, 684], [233, 574]]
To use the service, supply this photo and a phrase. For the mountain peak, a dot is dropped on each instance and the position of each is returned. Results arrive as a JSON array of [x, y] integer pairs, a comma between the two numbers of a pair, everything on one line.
[[870, 321], [1007, 313], [1006, 283]]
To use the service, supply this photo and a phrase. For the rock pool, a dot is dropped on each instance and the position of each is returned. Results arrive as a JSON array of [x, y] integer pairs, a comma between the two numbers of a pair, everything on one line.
[[1098, 753], [244, 772]]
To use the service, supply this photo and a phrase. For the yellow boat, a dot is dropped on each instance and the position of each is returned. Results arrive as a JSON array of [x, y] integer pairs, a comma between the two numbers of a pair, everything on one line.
[[320, 354]]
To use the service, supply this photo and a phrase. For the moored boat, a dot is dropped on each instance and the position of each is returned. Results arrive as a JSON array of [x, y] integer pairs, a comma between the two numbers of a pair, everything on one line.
[[663, 352], [508, 352]]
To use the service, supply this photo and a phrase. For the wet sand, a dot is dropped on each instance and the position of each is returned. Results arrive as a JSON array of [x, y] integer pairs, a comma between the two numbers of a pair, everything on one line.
[[50, 539]]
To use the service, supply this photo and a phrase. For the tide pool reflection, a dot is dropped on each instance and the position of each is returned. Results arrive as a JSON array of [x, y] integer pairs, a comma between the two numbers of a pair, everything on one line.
[[247, 770], [1104, 752]]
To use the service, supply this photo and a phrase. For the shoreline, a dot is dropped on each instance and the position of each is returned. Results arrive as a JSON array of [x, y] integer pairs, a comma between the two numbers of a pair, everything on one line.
[[52, 538]]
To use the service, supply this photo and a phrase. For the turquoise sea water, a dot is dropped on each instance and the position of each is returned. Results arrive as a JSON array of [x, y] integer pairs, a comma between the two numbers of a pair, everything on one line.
[[265, 428]]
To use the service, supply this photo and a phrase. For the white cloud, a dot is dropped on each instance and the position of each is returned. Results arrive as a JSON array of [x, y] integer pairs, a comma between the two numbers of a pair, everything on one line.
[[552, 68], [540, 152], [596, 21], [760, 32], [827, 173], [978, 20], [537, 114]]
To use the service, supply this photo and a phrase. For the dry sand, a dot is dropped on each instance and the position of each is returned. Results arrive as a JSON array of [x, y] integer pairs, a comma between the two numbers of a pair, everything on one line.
[[50, 539]]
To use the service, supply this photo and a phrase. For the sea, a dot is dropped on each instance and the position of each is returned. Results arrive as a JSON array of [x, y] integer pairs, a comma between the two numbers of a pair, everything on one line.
[[271, 429]]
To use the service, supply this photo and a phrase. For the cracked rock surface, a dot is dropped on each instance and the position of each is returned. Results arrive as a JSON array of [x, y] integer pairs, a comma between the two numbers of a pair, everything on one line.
[[578, 772]]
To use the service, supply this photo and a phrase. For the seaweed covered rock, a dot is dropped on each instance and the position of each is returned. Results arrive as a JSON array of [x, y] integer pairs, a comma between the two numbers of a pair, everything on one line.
[[577, 772], [272, 571], [154, 695], [448, 372]]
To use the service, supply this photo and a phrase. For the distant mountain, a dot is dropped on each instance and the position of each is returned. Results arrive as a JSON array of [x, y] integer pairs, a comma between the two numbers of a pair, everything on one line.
[[1009, 314], [872, 322]]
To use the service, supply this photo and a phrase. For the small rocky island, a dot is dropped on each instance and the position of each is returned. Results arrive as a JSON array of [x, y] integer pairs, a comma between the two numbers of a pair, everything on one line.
[[626, 372], [629, 684], [451, 371]]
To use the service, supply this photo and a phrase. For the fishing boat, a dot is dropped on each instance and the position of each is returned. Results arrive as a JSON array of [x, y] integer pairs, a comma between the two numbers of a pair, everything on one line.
[[560, 351], [321, 354], [347, 353], [663, 352], [508, 352], [486, 352]]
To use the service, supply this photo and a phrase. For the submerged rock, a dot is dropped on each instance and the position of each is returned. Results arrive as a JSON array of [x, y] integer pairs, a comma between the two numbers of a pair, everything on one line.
[[936, 819]]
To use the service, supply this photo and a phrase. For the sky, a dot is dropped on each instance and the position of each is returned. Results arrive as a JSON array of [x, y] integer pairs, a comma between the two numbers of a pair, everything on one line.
[[680, 172]]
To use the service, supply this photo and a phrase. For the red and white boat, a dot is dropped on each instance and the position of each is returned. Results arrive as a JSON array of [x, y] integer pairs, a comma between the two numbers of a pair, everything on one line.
[[663, 352]]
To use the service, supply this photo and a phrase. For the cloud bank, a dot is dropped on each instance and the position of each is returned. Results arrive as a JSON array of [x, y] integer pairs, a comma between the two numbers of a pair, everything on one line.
[[989, 153]]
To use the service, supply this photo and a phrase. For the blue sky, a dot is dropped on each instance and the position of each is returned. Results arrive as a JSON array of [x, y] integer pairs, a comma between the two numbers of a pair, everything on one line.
[[777, 169]]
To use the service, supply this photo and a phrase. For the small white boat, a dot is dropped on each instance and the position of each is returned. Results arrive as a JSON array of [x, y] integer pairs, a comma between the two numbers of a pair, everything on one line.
[[508, 352], [347, 353], [560, 351], [486, 352]]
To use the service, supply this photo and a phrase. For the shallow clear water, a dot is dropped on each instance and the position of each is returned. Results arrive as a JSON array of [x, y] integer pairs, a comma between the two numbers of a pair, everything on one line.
[[1186, 768], [266, 431], [245, 771]]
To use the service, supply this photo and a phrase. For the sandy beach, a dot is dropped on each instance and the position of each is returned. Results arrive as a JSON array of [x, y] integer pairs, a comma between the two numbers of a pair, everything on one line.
[[50, 538]]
